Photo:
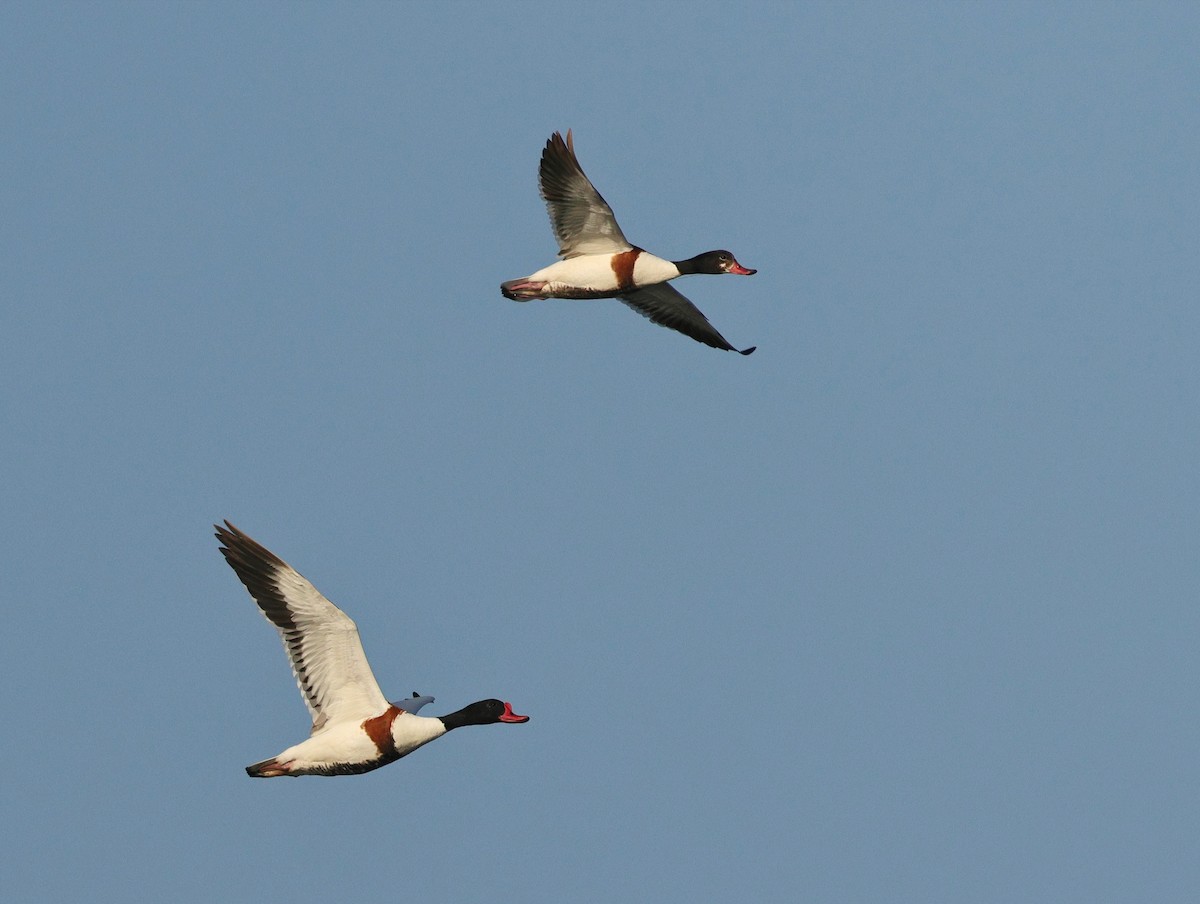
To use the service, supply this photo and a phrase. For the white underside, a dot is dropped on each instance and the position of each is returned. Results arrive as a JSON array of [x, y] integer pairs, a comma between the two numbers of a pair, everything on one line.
[[347, 742], [594, 272]]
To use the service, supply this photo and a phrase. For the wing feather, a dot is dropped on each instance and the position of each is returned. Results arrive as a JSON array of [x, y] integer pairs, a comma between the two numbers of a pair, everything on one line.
[[582, 221], [321, 640], [663, 304]]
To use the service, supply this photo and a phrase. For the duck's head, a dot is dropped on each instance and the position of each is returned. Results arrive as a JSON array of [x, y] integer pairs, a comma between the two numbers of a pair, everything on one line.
[[714, 262], [485, 712]]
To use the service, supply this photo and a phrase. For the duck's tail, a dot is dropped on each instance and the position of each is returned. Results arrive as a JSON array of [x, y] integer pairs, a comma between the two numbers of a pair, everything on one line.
[[266, 769], [522, 289]]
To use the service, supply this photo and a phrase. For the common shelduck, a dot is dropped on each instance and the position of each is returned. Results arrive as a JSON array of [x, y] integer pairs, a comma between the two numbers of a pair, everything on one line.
[[355, 729], [599, 262]]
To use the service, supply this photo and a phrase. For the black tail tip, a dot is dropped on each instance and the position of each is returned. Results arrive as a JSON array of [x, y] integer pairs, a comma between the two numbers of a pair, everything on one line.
[[747, 351]]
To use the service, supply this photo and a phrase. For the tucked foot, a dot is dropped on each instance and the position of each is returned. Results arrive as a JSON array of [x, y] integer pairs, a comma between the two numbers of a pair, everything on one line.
[[522, 289]]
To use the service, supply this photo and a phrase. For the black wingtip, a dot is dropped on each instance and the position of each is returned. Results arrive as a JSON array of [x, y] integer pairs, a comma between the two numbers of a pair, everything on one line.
[[746, 351]]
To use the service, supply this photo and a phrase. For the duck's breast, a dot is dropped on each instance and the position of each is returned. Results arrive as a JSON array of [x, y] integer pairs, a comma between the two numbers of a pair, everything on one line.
[[649, 270], [410, 732]]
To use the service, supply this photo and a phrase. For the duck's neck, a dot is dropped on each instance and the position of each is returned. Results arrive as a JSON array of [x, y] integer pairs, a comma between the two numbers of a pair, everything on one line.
[[468, 715], [691, 265]]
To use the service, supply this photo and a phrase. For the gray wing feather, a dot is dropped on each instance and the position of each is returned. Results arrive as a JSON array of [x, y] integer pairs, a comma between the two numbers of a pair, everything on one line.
[[582, 221]]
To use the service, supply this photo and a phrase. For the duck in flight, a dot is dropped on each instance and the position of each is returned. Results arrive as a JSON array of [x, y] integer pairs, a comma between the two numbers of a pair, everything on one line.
[[599, 262], [355, 729]]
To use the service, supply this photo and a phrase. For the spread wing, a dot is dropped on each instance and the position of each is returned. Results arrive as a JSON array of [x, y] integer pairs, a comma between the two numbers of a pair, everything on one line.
[[321, 640], [582, 221], [662, 304]]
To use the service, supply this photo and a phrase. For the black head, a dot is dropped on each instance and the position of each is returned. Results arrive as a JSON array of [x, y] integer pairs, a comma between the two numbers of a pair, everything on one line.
[[485, 712], [714, 262]]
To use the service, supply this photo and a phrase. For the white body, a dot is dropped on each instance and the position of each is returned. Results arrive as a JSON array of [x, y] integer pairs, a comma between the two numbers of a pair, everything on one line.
[[596, 273], [346, 742]]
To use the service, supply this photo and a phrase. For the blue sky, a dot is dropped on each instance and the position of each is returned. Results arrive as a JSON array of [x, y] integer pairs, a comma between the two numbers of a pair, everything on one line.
[[900, 608]]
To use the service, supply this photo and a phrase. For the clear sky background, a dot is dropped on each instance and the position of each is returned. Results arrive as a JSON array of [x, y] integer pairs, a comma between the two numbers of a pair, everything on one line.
[[903, 607]]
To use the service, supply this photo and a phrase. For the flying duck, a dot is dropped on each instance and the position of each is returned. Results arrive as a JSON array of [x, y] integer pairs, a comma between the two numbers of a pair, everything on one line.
[[355, 729], [599, 262]]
